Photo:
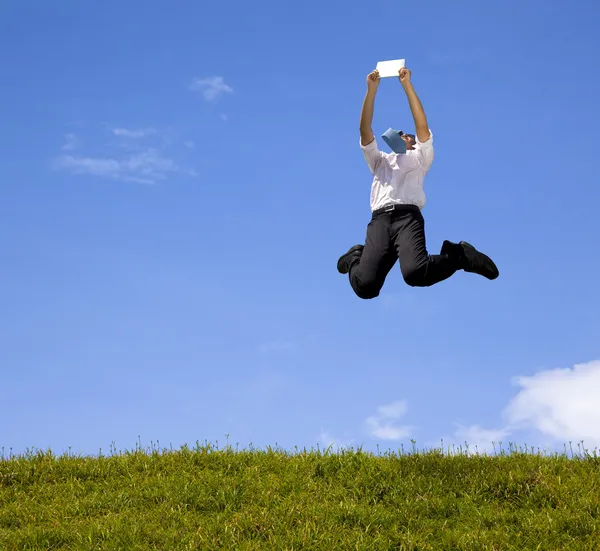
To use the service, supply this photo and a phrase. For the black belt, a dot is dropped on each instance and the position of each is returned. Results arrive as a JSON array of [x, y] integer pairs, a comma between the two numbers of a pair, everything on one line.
[[395, 207]]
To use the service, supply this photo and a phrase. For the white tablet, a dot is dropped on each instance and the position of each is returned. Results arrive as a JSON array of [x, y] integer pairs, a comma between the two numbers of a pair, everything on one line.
[[389, 68]]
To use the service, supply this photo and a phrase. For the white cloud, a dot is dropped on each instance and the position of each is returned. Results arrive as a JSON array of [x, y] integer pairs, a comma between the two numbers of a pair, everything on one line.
[[562, 404], [146, 167], [384, 425], [555, 406], [395, 410], [480, 440], [71, 142], [211, 87], [135, 161], [89, 165], [329, 441], [140, 133]]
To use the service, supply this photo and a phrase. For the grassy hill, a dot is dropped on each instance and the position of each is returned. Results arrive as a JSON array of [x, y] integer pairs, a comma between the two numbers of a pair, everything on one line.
[[211, 498]]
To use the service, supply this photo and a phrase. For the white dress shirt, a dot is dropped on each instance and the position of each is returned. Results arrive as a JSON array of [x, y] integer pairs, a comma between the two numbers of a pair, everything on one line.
[[398, 178]]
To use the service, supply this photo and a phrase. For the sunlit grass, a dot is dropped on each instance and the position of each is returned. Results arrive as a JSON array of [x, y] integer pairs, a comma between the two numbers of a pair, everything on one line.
[[210, 498]]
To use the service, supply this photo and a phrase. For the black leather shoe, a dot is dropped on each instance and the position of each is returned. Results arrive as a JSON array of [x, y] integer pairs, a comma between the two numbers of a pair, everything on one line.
[[454, 251], [345, 261], [470, 259]]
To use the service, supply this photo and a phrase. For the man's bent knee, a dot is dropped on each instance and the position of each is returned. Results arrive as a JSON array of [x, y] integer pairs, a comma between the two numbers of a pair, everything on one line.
[[415, 276], [366, 292], [365, 289]]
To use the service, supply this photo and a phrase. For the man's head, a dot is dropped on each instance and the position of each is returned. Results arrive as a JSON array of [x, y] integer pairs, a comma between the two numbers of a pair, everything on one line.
[[410, 140], [398, 141]]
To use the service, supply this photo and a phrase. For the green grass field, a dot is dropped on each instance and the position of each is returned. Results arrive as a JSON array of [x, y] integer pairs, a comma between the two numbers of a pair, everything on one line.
[[211, 498]]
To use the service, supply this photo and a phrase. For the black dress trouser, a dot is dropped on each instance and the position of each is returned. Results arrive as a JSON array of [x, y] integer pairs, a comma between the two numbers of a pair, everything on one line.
[[392, 236]]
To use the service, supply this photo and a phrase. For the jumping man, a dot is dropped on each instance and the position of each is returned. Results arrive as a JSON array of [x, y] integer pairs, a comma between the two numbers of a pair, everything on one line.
[[396, 230]]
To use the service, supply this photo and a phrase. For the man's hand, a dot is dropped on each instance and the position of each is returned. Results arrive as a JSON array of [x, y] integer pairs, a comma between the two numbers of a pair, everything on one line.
[[404, 76], [373, 81]]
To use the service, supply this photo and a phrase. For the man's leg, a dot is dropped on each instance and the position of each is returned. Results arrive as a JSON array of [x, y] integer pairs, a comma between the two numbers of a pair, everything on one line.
[[419, 268], [367, 266], [470, 259]]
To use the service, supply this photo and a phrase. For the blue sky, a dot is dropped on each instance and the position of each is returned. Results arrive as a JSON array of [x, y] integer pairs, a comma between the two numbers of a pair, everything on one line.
[[178, 183]]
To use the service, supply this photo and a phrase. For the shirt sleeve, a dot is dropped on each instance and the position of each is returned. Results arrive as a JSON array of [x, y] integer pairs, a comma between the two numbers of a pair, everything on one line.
[[372, 154], [424, 152]]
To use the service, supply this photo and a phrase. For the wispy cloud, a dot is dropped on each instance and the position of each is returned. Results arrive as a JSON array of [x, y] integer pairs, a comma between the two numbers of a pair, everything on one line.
[[211, 87], [384, 425], [476, 439], [328, 441], [139, 133], [146, 167], [135, 161], [189, 144], [71, 142]]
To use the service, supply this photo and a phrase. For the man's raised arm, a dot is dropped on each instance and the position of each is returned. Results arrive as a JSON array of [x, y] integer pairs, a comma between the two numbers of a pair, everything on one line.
[[421, 126], [368, 106]]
